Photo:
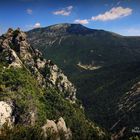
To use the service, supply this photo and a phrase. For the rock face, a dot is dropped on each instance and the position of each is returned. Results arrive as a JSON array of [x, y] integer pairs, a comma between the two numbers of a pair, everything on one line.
[[58, 79], [58, 128], [61, 126], [50, 128], [16, 52], [6, 114]]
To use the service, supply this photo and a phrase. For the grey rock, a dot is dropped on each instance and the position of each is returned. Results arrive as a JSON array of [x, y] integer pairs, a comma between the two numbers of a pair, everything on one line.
[[56, 128]]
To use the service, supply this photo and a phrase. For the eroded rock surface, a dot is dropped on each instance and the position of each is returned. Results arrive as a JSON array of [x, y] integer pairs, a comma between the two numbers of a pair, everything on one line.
[[57, 129], [6, 114]]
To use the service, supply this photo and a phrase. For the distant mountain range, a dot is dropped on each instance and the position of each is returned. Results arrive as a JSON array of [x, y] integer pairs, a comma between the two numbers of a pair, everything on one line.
[[104, 66]]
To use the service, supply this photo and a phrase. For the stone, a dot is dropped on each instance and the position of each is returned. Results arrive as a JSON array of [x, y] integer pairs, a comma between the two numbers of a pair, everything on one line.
[[16, 62], [40, 64], [61, 126], [56, 129], [50, 129], [6, 114]]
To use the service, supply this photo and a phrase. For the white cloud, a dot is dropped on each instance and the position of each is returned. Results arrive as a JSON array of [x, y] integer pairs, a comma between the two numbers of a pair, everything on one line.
[[84, 21], [64, 12], [70, 7], [114, 13], [29, 11], [31, 26], [37, 25]]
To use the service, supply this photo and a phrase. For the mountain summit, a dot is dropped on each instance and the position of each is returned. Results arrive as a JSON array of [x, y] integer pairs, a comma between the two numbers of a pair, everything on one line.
[[66, 28]]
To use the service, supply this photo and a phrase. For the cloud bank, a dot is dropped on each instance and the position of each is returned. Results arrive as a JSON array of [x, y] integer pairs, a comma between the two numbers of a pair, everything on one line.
[[64, 12], [114, 13]]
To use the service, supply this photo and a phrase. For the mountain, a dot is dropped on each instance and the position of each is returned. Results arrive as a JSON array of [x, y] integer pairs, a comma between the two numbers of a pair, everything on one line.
[[105, 68], [71, 44], [37, 100]]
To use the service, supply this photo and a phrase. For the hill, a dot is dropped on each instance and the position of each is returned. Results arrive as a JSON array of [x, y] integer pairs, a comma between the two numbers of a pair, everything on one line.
[[104, 67], [37, 100]]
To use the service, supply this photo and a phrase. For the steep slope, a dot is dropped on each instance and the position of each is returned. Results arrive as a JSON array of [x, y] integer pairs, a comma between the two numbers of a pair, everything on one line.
[[70, 44], [37, 100], [103, 65], [104, 93]]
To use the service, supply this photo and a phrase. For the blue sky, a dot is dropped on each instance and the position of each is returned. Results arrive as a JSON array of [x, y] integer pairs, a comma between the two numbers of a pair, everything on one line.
[[120, 16]]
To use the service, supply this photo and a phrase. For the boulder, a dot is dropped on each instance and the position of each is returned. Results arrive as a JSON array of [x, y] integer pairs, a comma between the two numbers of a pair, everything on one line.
[[62, 128], [56, 130], [50, 130], [6, 114]]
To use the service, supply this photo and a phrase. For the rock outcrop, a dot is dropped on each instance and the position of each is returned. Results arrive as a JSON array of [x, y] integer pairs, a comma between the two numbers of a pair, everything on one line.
[[58, 79], [16, 52], [57, 129], [6, 111]]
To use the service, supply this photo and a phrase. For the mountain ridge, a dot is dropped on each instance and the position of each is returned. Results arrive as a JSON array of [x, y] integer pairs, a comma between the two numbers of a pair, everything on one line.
[[78, 26], [71, 28], [37, 100], [102, 90]]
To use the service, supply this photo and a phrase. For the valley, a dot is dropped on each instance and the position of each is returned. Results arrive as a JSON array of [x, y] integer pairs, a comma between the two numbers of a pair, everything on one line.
[[104, 89]]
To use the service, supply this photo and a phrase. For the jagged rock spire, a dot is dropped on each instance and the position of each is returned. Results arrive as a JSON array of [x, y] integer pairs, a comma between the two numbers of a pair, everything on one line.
[[17, 52]]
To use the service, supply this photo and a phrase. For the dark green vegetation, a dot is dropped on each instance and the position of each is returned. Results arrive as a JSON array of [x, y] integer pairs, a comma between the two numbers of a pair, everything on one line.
[[101, 90], [19, 86], [110, 85]]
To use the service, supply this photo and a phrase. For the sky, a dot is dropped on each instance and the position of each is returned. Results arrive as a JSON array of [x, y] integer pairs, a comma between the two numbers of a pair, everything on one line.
[[119, 16]]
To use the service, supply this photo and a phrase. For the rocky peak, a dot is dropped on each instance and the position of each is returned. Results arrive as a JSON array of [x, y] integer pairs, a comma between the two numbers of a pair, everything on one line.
[[62, 30], [16, 52], [66, 28]]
